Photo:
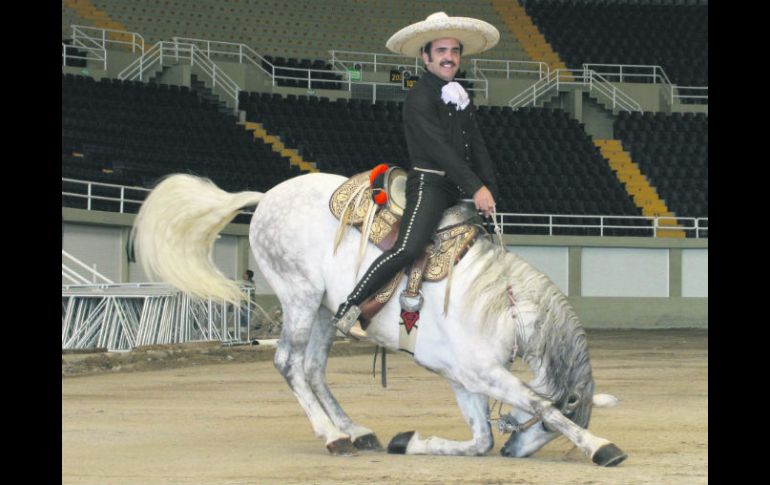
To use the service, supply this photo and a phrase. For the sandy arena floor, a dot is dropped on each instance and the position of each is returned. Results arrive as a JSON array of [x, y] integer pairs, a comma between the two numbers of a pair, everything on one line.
[[207, 415]]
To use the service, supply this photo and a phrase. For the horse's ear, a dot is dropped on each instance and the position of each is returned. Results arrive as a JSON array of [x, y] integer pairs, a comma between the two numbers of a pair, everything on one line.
[[130, 247]]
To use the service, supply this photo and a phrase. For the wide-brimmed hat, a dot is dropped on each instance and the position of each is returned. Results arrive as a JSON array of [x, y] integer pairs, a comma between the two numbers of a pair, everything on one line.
[[475, 35]]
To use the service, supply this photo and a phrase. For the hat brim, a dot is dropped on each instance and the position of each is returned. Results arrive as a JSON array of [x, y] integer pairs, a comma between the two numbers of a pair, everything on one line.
[[475, 35]]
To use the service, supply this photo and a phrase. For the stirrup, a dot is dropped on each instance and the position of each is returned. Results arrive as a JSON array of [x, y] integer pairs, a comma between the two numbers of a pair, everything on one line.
[[349, 325]]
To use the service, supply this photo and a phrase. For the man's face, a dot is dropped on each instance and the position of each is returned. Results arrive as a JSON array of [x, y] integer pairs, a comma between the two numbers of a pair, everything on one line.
[[444, 61]]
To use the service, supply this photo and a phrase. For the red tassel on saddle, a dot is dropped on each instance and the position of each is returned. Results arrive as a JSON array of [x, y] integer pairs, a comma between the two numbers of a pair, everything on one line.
[[377, 183]]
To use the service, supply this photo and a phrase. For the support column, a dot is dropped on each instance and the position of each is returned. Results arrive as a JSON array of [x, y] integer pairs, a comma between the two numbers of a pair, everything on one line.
[[675, 273], [123, 275], [575, 272], [242, 256], [577, 104]]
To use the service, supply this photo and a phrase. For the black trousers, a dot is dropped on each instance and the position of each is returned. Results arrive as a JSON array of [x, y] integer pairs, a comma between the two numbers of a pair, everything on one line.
[[428, 195]]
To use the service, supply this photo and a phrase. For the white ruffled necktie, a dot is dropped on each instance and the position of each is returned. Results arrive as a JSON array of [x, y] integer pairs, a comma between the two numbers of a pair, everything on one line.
[[454, 93]]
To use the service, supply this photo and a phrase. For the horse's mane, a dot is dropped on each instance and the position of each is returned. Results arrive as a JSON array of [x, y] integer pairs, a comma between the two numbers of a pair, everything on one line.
[[556, 339]]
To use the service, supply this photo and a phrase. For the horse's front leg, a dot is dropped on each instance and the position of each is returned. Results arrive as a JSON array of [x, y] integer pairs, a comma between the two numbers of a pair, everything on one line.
[[475, 409], [500, 384]]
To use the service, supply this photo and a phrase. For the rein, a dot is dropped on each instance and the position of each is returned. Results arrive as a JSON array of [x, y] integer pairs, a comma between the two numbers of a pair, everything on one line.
[[498, 229], [507, 423]]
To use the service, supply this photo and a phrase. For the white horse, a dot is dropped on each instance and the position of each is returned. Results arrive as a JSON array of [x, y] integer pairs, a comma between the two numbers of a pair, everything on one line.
[[499, 307]]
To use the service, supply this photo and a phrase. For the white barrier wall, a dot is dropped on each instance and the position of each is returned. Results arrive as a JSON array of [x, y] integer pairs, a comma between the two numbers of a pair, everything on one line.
[[631, 272], [553, 261], [695, 273], [611, 282], [226, 256]]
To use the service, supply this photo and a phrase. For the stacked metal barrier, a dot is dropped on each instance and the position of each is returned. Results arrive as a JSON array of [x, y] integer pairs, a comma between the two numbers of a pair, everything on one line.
[[121, 317]]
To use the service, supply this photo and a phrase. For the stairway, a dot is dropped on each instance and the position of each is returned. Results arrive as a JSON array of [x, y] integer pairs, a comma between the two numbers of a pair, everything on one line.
[[638, 187], [532, 41], [208, 97], [278, 147]]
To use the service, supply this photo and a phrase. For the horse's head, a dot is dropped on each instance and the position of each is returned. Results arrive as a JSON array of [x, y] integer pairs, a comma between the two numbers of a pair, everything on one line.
[[559, 358], [554, 346], [532, 434], [547, 334]]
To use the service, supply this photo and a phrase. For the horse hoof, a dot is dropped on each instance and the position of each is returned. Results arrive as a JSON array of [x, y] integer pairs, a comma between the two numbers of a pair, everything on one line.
[[341, 447], [609, 455], [368, 442], [398, 444]]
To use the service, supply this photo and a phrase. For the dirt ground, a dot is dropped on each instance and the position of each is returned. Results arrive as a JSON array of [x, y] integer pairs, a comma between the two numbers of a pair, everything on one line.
[[207, 414]]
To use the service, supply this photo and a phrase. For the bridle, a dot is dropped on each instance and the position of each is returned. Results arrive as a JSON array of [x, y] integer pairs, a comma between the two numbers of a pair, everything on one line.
[[507, 423]]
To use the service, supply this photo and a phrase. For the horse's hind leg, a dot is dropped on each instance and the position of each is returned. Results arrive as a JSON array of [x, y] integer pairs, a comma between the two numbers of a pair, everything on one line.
[[316, 357], [289, 360], [475, 409]]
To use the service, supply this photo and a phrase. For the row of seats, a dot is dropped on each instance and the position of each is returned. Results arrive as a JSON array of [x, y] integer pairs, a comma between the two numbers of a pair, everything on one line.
[[133, 133], [674, 37], [531, 147], [678, 169], [296, 28]]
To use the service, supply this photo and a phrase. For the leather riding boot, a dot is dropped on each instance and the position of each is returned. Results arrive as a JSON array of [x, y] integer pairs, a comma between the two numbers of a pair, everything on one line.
[[348, 323]]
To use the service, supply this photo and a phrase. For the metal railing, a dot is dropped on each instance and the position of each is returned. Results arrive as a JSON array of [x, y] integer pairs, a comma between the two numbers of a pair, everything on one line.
[[349, 61], [650, 73], [70, 52], [566, 77], [481, 67], [372, 61], [244, 54], [618, 98], [693, 226], [699, 94], [376, 62], [630, 72], [119, 192], [175, 52], [230, 50], [119, 199], [310, 78], [598, 225], [98, 37], [72, 275]]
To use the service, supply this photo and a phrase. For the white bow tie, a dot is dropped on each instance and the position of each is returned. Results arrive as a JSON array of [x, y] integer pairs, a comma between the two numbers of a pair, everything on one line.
[[454, 93]]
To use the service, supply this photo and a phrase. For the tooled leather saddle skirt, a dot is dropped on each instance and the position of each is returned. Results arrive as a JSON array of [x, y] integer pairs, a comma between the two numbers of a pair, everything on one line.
[[458, 229]]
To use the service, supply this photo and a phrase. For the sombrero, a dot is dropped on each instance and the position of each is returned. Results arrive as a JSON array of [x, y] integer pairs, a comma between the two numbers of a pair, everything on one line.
[[475, 35]]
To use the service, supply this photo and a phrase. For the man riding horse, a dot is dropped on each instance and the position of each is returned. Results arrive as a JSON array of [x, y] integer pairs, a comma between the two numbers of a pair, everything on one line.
[[449, 160]]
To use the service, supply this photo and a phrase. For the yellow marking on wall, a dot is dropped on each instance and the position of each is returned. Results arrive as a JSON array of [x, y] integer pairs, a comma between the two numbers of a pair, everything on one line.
[[278, 146], [638, 187], [529, 36]]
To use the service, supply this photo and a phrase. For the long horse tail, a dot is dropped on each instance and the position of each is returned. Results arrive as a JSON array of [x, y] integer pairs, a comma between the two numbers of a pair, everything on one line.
[[175, 231]]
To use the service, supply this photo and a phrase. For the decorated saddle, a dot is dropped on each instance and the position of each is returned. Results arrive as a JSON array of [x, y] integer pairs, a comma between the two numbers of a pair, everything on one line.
[[374, 202]]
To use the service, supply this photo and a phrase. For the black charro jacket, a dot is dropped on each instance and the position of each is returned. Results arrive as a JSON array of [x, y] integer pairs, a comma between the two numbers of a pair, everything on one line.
[[439, 137]]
